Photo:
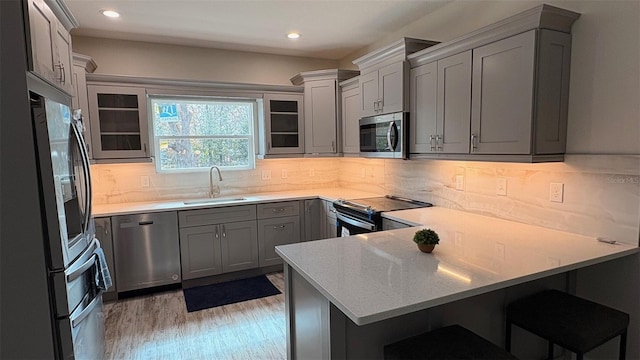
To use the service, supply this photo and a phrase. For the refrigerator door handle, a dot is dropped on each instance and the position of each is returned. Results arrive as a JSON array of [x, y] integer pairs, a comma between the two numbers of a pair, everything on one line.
[[87, 176], [84, 267], [76, 319]]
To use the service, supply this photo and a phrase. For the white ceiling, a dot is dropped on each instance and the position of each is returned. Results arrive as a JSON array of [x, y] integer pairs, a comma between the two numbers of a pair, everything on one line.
[[331, 29]]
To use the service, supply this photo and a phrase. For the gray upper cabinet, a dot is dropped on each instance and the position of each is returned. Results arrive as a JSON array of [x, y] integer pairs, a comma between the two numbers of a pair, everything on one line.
[[119, 123], [350, 114], [384, 77], [82, 65], [282, 131], [322, 116], [501, 92], [503, 80], [51, 43], [441, 105]]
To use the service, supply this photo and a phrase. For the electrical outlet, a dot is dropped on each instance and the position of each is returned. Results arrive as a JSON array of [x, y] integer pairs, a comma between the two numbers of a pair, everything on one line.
[[501, 186], [284, 174], [266, 174], [556, 192], [460, 182], [144, 181]]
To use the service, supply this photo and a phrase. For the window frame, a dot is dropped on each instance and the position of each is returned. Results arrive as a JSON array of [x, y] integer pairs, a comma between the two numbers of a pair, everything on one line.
[[187, 96]]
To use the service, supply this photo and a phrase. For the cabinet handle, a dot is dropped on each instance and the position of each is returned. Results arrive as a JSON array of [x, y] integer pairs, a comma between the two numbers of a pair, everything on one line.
[[375, 106], [333, 146], [145, 148], [224, 232], [380, 105], [60, 67], [438, 143], [217, 235], [474, 147], [276, 227], [277, 210], [269, 145], [431, 138]]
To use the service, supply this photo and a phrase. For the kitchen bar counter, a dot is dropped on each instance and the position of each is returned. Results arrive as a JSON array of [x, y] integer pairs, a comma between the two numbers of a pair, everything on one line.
[[374, 278], [331, 194]]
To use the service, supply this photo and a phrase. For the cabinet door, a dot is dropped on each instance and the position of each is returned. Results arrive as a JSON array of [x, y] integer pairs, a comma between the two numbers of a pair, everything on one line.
[[283, 124], [350, 113], [103, 234], [274, 232], [314, 220], [200, 251], [454, 103], [391, 88], [62, 43], [320, 117], [502, 97], [239, 242], [369, 93], [43, 24], [118, 118], [423, 91], [80, 101], [331, 229]]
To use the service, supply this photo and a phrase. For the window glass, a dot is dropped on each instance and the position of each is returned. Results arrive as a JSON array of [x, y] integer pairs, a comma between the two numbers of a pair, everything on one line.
[[197, 133]]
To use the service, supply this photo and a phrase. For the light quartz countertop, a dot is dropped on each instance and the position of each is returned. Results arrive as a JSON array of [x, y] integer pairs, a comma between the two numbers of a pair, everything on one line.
[[331, 194], [381, 275]]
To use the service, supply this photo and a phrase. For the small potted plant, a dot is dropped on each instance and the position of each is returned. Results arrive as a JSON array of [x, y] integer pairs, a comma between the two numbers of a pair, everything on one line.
[[426, 239]]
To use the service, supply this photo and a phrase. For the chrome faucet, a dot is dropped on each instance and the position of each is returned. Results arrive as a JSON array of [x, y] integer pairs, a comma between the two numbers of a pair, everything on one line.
[[214, 190]]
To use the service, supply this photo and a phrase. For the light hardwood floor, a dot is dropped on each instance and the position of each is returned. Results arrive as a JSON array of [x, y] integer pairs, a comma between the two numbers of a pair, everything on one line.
[[159, 327]]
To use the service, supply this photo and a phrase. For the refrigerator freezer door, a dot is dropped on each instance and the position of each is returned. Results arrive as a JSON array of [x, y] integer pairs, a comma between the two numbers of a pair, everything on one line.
[[86, 326]]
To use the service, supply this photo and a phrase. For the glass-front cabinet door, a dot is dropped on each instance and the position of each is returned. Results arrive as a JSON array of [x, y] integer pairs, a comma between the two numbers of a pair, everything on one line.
[[118, 116], [284, 124]]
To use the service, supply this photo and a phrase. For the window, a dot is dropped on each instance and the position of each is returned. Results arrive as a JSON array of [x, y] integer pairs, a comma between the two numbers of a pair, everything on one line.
[[197, 133]]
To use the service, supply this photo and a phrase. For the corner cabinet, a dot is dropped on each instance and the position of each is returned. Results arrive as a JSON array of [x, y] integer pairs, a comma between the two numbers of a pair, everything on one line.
[[498, 94], [119, 123], [384, 77], [350, 116], [322, 110], [50, 50], [282, 130]]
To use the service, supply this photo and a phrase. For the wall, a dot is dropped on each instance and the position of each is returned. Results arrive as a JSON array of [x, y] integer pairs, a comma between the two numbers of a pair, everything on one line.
[[604, 111], [121, 183], [144, 59]]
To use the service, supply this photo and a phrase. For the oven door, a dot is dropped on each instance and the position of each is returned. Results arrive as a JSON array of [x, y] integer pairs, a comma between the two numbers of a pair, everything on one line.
[[350, 225]]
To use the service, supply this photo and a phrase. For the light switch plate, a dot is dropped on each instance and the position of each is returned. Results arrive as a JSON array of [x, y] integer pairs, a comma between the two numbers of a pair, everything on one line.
[[459, 182], [144, 181], [285, 174]]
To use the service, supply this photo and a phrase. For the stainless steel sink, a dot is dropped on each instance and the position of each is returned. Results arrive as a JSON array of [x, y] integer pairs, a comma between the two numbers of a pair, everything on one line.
[[212, 201]]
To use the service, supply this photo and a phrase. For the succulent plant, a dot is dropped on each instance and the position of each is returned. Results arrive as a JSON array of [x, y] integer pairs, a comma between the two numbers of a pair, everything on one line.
[[426, 236]]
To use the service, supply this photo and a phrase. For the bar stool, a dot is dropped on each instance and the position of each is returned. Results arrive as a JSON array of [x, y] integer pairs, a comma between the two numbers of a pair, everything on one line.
[[573, 323], [449, 342]]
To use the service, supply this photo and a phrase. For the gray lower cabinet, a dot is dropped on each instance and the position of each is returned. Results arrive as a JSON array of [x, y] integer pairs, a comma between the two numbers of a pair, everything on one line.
[[313, 214], [103, 234], [331, 229], [274, 232], [218, 240], [388, 224]]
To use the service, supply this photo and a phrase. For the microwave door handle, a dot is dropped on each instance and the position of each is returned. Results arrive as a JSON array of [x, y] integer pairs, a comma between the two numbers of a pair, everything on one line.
[[87, 176], [392, 136]]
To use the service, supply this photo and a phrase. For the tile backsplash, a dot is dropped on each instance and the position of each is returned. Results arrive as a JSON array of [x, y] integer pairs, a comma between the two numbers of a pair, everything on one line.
[[601, 192]]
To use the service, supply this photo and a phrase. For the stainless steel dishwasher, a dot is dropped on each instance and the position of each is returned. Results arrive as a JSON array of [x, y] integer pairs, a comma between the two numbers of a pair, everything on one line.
[[146, 249]]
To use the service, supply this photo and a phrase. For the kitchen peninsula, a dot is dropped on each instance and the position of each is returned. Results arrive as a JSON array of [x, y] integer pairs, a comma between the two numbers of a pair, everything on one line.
[[348, 297]]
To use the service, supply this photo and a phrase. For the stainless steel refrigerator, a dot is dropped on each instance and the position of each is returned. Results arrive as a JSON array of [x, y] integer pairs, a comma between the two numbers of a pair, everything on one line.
[[77, 274]]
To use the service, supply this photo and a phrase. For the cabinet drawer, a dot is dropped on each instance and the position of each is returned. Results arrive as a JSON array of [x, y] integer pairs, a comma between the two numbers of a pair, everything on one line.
[[213, 216], [280, 209]]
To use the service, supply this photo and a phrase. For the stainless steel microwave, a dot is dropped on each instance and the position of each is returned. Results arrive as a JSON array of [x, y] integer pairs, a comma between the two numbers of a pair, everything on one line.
[[384, 136]]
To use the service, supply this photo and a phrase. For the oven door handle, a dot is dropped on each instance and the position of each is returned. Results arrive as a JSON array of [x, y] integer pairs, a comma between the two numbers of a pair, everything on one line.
[[355, 222]]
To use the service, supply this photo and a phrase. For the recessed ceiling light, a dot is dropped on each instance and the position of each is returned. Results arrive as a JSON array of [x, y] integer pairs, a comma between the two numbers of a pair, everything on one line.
[[293, 35], [110, 13]]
